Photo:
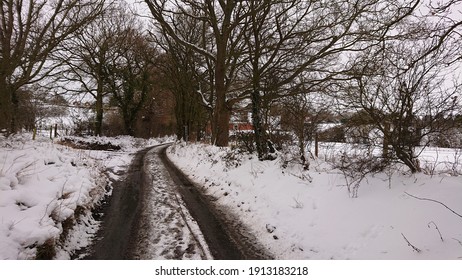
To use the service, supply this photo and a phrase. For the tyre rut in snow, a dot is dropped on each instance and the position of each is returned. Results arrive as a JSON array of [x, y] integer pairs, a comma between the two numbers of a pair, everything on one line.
[[145, 218], [164, 229], [114, 237], [226, 237]]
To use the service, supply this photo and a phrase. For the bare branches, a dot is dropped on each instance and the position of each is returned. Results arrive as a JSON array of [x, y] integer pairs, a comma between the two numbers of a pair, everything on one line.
[[166, 18], [220, 22], [402, 87], [437, 229], [432, 200], [86, 56], [410, 245], [29, 33], [253, 48], [447, 28]]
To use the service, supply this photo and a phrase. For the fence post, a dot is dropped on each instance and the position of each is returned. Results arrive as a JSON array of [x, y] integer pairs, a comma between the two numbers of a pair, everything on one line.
[[386, 133], [316, 144]]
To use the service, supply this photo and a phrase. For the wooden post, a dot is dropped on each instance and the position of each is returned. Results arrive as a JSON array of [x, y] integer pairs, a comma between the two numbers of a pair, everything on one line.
[[34, 133], [316, 144], [51, 132], [386, 133], [56, 130]]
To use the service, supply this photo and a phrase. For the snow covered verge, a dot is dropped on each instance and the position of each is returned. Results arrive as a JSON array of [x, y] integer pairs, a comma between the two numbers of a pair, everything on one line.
[[45, 188], [48, 191], [310, 214]]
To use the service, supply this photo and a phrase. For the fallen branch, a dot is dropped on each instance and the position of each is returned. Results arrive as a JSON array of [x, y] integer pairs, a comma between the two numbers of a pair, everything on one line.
[[409, 244], [436, 227], [436, 201], [460, 242]]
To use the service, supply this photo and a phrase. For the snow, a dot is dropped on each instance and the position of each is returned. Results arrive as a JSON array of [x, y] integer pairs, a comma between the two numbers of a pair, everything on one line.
[[41, 186], [166, 230], [301, 214], [295, 214], [44, 186]]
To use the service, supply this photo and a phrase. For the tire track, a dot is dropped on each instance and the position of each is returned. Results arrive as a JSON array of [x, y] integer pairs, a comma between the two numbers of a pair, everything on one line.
[[155, 212]]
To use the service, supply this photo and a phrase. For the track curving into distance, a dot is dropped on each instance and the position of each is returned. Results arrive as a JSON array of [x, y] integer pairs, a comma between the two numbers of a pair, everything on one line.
[[155, 212]]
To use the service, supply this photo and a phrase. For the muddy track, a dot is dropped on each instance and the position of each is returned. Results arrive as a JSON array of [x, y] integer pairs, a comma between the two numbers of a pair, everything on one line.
[[227, 238], [119, 214], [122, 232]]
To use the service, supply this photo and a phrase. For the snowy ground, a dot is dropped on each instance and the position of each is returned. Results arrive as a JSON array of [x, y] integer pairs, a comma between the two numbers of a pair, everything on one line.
[[297, 214], [43, 187], [47, 191], [310, 214], [166, 230]]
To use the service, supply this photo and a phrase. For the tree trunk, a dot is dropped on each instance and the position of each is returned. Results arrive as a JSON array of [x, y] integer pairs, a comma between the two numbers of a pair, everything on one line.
[[5, 106], [386, 142], [408, 159], [261, 140], [9, 106], [316, 144], [221, 111], [128, 127], [301, 147], [259, 131], [221, 121], [99, 114]]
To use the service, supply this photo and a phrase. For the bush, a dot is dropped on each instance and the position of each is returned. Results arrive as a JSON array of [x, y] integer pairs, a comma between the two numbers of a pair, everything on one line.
[[355, 166], [333, 134], [280, 139], [244, 141]]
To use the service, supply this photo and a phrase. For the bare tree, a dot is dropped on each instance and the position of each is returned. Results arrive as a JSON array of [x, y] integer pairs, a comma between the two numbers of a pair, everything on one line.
[[130, 74], [282, 39], [303, 113], [85, 57], [222, 22], [29, 32], [446, 25], [188, 76], [293, 45], [405, 94]]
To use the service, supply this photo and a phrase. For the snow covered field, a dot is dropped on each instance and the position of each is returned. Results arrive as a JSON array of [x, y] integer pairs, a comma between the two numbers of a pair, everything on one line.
[[47, 191], [310, 215]]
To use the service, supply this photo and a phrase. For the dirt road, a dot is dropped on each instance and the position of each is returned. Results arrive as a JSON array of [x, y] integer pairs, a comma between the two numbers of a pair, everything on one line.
[[119, 213], [156, 213]]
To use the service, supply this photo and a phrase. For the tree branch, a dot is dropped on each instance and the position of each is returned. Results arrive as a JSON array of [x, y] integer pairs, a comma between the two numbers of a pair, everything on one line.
[[409, 244], [432, 200]]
